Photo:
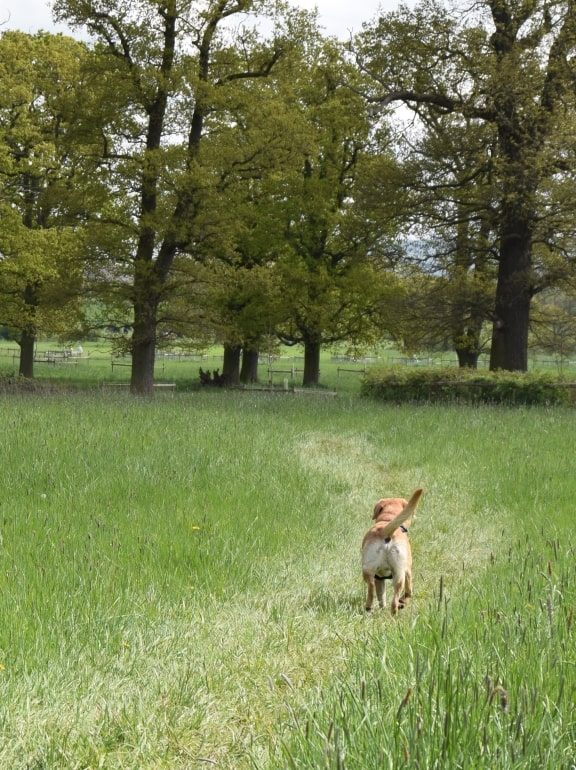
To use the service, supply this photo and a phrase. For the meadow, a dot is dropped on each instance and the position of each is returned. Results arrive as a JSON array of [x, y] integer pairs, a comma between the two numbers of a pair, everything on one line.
[[180, 584]]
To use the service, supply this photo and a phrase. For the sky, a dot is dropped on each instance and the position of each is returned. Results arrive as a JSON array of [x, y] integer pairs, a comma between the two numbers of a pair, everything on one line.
[[337, 17]]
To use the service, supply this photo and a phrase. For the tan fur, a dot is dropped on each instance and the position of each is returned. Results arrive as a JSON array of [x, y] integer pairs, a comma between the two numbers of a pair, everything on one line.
[[386, 551]]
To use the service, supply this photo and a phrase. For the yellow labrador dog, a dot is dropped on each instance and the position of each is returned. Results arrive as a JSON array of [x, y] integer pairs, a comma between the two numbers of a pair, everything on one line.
[[386, 551]]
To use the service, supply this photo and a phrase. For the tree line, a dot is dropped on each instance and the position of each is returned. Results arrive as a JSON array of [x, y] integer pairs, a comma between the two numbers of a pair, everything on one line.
[[209, 170]]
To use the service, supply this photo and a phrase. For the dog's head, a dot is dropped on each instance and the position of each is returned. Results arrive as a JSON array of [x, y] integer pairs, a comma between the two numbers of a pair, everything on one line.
[[388, 508]]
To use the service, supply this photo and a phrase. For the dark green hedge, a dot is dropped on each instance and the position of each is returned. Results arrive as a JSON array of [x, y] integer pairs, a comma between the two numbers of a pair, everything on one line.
[[422, 384]]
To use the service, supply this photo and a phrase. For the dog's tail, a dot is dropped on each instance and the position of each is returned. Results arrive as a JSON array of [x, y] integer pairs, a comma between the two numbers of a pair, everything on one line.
[[393, 525]]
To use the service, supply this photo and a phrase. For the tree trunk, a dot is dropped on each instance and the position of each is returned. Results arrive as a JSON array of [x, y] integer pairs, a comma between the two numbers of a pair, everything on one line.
[[27, 344], [469, 263], [509, 349], [28, 335], [467, 343], [143, 348], [311, 376], [249, 370], [467, 358], [231, 367]]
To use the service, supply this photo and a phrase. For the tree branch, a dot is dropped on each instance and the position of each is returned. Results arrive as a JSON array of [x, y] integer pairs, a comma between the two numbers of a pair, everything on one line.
[[445, 103]]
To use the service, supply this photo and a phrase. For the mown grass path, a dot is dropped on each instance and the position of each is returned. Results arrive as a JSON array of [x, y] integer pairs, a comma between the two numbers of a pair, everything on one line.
[[180, 584]]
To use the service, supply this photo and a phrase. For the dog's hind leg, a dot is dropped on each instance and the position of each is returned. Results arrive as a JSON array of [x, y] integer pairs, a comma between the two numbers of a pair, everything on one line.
[[398, 581], [381, 591], [407, 590], [370, 582]]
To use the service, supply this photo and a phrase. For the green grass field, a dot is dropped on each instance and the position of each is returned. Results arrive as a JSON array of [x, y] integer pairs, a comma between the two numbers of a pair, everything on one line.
[[180, 584]]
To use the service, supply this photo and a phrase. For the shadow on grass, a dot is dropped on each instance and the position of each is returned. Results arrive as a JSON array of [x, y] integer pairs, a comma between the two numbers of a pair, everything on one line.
[[324, 600]]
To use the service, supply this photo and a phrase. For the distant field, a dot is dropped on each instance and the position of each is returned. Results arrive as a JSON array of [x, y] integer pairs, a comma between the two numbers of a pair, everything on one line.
[[180, 584], [97, 366]]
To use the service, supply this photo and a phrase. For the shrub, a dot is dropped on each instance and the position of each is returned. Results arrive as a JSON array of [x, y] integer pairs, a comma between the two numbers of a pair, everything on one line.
[[407, 384]]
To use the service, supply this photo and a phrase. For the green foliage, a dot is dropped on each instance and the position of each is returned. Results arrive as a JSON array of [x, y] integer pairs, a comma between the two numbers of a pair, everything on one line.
[[41, 194], [422, 384], [493, 104], [553, 324]]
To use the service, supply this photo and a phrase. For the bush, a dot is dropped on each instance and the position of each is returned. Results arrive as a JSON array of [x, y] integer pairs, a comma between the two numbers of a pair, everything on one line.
[[466, 386]]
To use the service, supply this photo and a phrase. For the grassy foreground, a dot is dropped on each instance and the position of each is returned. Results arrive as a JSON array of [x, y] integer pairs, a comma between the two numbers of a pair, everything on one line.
[[180, 585]]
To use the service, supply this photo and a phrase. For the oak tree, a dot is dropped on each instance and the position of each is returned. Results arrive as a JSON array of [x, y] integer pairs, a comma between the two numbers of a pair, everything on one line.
[[507, 64], [41, 242], [170, 67], [332, 263]]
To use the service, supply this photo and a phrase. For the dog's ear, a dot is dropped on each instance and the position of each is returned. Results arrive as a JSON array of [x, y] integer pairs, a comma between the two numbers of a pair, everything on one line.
[[378, 509]]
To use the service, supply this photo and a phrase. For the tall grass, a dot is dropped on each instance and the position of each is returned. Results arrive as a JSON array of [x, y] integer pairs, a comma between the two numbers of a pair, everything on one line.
[[485, 681], [179, 584]]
